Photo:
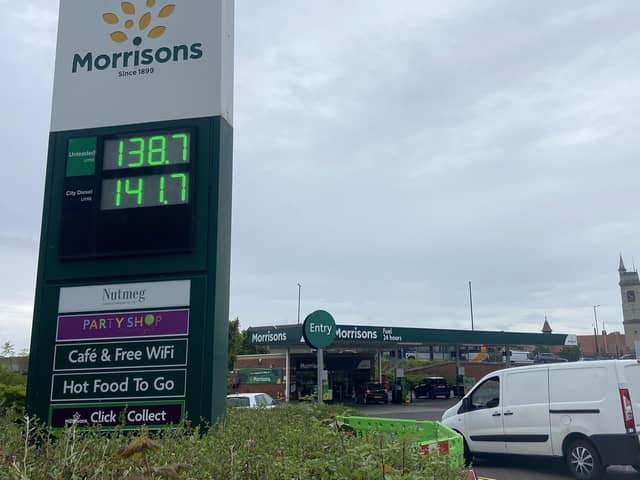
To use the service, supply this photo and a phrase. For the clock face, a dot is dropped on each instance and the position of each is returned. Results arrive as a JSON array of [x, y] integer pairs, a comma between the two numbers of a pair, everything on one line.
[[631, 296]]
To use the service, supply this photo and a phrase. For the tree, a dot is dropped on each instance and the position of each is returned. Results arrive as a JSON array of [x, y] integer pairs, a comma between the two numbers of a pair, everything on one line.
[[236, 340], [7, 350], [571, 353], [240, 344]]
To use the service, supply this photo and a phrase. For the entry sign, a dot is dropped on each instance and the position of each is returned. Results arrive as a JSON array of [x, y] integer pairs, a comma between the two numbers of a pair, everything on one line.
[[319, 329]]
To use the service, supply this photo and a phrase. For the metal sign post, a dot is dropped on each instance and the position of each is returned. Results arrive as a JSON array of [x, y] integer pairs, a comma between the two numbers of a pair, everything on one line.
[[319, 331], [320, 364]]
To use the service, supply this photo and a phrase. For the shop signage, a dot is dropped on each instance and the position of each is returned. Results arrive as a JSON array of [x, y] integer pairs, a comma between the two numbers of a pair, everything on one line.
[[249, 376], [319, 329], [136, 354], [359, 334], [102, 298], [111, 415], [135, 258], [120, 325], [119, 385]]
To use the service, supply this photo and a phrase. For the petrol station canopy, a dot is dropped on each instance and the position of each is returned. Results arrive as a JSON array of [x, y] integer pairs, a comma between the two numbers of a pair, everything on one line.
[[285, 336]]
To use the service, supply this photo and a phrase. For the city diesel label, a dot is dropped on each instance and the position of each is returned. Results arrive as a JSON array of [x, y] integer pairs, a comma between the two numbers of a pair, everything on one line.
[[119, 385], [135, 354]]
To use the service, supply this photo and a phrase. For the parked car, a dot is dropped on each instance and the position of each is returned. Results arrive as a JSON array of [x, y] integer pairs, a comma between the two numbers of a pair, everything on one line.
[[251, 400], [553, 410], [372, 392], [432, 387], [545, 357]]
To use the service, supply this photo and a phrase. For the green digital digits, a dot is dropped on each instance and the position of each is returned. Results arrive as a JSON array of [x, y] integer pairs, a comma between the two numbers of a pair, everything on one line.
[[162, 199], [185, 145], [162, 150], [147, 191], [147, 164], [118, 192], [120, 152], [183, 186], [151, 151], [137, 191], [139, 152]]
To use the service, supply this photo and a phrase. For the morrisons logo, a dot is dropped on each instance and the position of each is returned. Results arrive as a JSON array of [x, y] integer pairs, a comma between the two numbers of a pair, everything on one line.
[[136, 58], [268, 337], [135, 22]]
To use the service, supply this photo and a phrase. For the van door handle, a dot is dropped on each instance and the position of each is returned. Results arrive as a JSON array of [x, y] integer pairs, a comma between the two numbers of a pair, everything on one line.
[[496, 414], [508, 413]]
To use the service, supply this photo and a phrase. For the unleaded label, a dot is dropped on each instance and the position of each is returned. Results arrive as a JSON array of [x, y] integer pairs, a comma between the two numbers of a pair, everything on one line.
[[81, 157]]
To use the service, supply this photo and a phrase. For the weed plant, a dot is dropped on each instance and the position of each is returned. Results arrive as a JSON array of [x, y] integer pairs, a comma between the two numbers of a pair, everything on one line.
[[290, 442]]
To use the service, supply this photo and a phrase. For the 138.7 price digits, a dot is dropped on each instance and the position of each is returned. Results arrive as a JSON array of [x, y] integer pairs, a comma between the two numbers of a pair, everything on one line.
[[147, 151]]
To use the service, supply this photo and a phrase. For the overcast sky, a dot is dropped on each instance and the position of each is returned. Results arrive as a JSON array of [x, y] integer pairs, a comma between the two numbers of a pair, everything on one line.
[[386, 153]]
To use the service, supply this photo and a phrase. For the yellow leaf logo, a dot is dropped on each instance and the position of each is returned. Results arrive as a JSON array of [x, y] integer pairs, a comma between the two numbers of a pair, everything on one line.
[[129, 17]]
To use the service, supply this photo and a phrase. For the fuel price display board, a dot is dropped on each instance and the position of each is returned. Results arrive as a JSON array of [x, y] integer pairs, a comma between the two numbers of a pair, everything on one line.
[[122, 191], [131, 307]]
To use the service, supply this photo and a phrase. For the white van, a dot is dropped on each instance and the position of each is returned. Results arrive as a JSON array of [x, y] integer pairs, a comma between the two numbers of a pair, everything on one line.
[[581, 411], [518, 356]]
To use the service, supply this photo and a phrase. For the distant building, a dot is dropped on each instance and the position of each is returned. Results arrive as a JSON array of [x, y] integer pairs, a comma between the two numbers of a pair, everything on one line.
[[610, 344], [630, 291]]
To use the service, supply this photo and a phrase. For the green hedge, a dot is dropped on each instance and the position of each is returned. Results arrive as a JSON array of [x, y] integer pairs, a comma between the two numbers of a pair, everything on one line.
[[288, 442], [12, 397]]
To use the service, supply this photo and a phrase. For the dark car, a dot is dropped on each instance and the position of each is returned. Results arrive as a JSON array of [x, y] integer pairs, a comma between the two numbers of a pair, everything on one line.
[[548, 358], [432, 387], [372, 392]]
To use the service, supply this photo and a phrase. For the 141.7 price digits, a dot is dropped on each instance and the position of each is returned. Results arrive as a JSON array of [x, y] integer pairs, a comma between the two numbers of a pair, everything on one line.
[[145, 191]]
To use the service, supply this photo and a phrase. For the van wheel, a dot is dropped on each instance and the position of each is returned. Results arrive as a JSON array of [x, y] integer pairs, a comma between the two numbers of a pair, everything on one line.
[[583, 460]]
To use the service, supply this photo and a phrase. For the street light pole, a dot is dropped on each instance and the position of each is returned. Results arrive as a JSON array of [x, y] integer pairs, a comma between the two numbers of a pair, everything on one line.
[[299, 288], [595, 317], [471, 304]]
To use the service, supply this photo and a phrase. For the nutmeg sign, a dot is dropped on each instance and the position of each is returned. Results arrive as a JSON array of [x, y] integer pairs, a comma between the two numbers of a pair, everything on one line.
[[131, 307]]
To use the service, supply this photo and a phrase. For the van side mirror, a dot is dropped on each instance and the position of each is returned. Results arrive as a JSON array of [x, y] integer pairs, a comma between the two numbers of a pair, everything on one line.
[[466, 405]]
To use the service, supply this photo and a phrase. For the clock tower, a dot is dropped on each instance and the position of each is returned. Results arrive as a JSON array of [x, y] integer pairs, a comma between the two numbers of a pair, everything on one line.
[[630, 291]]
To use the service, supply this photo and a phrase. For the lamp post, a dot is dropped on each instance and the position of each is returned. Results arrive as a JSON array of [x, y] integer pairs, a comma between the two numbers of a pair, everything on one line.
[[299, 288], [471, 304], [595, 317]]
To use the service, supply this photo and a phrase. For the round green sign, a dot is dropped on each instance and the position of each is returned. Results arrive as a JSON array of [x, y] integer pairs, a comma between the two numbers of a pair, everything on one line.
[[319, 329]]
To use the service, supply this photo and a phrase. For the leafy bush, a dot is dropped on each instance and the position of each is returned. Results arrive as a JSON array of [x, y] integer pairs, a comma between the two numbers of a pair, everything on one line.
[[12, 397], [289, 442], [11, 378]]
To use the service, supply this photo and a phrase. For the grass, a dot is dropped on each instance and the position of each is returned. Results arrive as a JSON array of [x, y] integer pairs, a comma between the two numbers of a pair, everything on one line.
[[289, 442]]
